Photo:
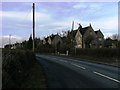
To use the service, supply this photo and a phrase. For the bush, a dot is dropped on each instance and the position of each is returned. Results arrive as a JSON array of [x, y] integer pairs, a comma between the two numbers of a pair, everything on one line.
[[15, 67], [103, 53]]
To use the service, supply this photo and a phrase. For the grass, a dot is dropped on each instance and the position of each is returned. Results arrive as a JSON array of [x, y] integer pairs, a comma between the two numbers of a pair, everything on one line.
[[36, 78]]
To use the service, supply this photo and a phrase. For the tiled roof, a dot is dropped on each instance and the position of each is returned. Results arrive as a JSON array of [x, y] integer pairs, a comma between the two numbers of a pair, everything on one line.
[[73, 33], [52, 36], [83, 30], [97, 31]]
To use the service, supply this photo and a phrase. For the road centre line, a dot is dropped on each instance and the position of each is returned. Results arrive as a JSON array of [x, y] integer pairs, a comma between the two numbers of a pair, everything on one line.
[[75, 60], [54, 58], [78, 66], [107, 77], [63, 60]]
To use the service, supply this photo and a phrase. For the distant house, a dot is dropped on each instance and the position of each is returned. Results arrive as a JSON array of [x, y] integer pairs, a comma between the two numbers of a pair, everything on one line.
[[100, 39], [89, 37], [56, 41], [44, 40], [115, 43], [83, 37], [47, 40], [8, 46], [13, 46], [75, 38], [108, 43]]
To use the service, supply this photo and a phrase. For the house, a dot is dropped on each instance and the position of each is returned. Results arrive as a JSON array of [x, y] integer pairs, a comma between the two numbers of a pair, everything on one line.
[[44, 40], [56, 41], [108, 43], [47, 40], [83, 37], [75, 39], [100, 38], [89, 37]]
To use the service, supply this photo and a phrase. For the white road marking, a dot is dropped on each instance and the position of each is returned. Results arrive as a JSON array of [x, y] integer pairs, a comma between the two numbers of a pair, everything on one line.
[[107, 77], [71, 59], [78, 66], [75, 60], [54, 58], [63, 60]]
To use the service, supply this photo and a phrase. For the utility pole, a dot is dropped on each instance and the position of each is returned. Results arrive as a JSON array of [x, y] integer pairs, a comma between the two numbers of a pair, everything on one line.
[[33, 27]]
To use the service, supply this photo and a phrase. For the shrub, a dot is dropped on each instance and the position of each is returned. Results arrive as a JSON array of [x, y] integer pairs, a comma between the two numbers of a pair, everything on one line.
[[105, 53], [15, 67]]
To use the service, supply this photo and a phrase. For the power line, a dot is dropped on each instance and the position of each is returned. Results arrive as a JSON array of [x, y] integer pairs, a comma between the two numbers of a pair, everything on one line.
[[27, 14]]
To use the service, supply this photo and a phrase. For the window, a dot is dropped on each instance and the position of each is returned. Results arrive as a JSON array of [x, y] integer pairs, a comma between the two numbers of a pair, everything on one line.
[[100, 39]]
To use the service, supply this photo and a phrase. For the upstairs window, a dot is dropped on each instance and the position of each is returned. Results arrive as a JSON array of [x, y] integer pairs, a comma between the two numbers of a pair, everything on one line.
[[100, 39]]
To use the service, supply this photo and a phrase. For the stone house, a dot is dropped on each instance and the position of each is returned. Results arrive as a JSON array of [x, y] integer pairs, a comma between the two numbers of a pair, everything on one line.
[[88, 37], [54, 40], [75, 39], [83, 37], [100, 38], [91, 38], [47, 40]]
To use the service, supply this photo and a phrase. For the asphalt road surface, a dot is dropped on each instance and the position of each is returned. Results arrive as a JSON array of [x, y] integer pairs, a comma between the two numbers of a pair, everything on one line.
[[63, 72]]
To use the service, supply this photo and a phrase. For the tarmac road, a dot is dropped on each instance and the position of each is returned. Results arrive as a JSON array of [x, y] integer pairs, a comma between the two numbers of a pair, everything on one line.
[[63, 72]]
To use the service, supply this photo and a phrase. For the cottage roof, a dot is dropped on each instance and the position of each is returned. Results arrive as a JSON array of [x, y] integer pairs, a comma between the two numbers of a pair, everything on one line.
[[98, 32], [52, 36], [73, 33], [83, 30]]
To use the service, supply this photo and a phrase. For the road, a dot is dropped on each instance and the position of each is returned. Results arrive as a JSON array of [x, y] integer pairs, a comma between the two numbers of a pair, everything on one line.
[[66, 72]]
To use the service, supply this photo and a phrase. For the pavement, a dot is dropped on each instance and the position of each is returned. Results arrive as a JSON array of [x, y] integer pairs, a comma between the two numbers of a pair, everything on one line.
[[63, 72]]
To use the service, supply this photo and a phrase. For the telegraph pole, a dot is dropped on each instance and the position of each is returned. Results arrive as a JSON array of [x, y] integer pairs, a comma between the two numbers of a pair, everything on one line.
[[33, 27]]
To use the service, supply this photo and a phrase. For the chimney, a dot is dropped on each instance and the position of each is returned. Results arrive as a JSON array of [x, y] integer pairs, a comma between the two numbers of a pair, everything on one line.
[[72, 25]]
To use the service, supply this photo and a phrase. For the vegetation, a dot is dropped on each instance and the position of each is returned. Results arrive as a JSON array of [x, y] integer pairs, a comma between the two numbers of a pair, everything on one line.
[[103, 55], [19, 67], [108, 52]]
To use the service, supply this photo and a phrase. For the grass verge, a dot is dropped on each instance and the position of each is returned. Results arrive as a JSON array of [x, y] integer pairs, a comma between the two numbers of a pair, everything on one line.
[[36, 78]]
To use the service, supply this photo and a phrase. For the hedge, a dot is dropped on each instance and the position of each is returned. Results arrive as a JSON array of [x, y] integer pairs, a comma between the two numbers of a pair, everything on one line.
[[15, 67]]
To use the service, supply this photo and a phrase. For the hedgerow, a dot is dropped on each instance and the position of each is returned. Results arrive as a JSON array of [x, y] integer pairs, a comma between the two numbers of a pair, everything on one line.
[[15, 67]]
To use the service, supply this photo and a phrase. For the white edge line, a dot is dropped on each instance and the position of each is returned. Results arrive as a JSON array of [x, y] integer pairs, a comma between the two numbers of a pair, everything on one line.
[[107, 77], [78, 66]]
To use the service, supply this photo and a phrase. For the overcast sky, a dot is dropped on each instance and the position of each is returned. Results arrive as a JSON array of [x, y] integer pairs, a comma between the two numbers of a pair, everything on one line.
[[55, 17]]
